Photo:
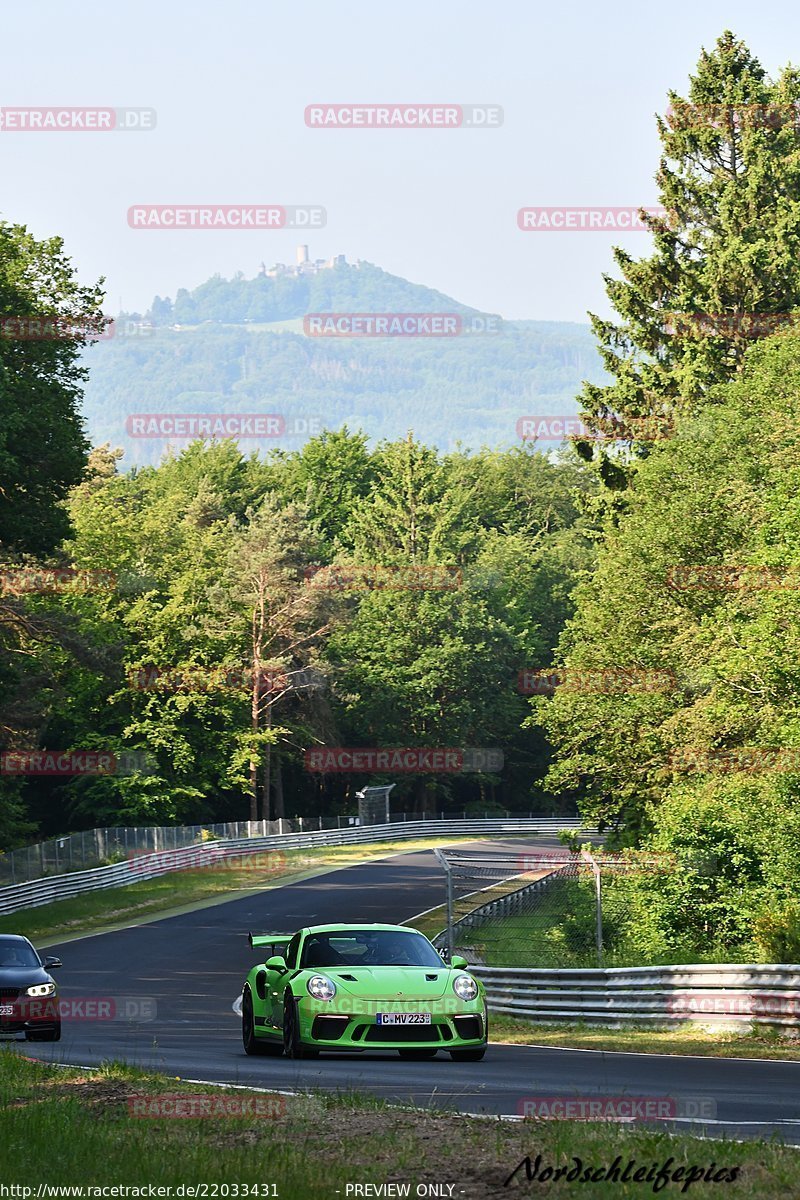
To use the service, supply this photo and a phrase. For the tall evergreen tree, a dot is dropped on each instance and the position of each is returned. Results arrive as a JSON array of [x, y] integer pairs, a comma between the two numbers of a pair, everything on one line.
[[728, 246]]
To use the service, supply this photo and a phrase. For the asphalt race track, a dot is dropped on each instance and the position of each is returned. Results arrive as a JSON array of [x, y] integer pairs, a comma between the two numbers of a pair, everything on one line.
[[190, 969]]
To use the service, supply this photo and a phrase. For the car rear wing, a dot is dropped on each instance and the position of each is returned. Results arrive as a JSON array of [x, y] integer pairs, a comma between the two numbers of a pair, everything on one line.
[[269, 939]]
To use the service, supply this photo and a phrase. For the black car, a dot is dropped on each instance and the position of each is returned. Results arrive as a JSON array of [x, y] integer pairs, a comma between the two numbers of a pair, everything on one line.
[[28, 994]]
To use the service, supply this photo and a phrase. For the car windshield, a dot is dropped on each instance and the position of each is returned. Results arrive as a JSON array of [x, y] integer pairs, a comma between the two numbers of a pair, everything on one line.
[[17, 954], [369, 948]]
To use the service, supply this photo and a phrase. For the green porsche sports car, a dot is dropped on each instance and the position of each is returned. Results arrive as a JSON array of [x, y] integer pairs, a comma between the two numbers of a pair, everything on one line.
[[361, 987]]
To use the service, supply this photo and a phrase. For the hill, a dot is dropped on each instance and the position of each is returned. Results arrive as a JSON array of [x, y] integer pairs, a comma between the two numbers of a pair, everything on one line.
[[239, 346]]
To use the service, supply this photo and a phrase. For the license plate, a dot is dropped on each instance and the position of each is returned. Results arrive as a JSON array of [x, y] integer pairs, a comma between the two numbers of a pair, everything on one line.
[[404, 1018], [6, 1010]]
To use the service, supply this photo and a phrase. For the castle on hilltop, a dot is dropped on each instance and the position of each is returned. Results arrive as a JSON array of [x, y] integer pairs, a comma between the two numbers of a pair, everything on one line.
[[305, 266]]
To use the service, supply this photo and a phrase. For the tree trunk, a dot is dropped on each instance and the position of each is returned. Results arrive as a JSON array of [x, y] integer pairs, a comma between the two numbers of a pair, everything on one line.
[[265, 801], [253, 760], [279, 811]]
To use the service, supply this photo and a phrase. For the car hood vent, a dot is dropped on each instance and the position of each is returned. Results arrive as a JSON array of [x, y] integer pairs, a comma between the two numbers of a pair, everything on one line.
[[394, 983]]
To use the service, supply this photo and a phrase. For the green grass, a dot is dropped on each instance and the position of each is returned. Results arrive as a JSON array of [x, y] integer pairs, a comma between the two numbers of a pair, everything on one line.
[[689, 1039], [558, 931], [114, 907], [434, 921], [70, 1127]]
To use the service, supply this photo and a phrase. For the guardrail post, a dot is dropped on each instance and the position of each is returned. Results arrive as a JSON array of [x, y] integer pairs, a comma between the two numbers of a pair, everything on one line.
[[445, 865], [598, 889]]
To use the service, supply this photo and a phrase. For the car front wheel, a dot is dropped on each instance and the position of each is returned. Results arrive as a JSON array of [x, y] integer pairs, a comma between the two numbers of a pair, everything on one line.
[[468, 1055], [252, 1044], [292, 1046]]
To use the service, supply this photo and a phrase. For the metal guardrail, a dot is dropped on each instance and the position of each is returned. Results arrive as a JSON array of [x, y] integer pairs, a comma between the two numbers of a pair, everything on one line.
[[92, 848], [503, 906], [720, 996], [137, 869]]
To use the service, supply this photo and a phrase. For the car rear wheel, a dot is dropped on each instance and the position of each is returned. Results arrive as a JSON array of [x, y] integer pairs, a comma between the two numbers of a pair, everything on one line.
[[292, 1046], [252, 1044], [468, 1055], [45, 1035], [422, 1053]]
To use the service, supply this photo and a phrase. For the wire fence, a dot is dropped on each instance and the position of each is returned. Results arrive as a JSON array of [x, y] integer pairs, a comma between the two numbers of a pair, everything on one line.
[[99, 847], [548, 908]]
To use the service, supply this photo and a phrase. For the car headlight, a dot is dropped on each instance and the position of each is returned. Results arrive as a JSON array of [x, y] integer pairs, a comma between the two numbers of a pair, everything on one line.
[[41, 989], [321, 988], [465, 987]]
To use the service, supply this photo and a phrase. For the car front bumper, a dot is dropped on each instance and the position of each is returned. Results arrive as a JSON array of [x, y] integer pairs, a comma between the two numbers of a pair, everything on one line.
[[327, 1027], [29, 1015]]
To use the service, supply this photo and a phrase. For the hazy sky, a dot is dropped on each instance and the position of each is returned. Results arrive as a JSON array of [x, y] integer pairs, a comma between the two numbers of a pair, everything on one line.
[[578, 82]]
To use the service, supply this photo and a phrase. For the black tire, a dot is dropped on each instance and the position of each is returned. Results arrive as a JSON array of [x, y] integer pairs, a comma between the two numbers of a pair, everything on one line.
[[292, 1046], [468, 1055], [252, 1044], [44, 1035], [421, 1053]]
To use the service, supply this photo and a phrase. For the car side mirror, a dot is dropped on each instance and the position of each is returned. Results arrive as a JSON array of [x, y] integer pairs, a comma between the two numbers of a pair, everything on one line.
[[276, 963], [51, 963], [458, 961]]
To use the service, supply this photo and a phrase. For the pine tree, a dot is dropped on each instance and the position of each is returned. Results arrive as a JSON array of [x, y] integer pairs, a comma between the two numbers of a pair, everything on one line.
[[728, 246]]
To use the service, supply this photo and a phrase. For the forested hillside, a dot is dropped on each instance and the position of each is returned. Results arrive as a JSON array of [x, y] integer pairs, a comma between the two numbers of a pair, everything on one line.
[[241, 348]]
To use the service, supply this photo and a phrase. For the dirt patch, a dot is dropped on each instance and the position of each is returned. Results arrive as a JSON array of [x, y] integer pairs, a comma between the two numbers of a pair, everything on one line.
[[398, 1146], [96, 1092]]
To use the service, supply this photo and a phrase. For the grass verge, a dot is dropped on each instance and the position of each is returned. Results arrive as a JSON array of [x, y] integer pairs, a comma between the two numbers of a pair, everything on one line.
[[692, 1039], [63, 1126]]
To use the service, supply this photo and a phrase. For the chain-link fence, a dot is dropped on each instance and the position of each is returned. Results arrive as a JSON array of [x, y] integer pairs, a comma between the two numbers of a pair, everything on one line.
[[545, 908], [97, 847]]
